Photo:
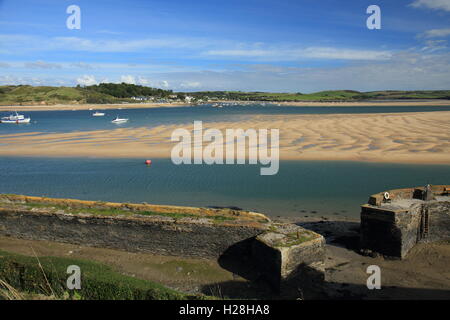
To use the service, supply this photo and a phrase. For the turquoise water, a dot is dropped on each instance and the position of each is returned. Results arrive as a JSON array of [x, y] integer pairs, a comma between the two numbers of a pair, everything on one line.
[[82, 120], [300, 188]]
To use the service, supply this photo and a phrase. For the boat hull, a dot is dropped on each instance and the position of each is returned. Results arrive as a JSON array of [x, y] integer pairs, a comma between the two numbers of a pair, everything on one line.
[[21, 121]]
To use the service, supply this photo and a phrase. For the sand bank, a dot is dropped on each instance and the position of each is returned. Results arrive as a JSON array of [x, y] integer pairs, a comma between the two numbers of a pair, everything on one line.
[[396, 138]]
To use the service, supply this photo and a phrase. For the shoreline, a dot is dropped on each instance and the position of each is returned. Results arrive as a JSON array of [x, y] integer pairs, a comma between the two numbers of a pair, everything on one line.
[[62, 107], [405, 160]]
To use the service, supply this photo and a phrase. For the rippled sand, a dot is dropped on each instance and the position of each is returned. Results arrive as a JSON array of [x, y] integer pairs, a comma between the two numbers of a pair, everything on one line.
[[400, 137]]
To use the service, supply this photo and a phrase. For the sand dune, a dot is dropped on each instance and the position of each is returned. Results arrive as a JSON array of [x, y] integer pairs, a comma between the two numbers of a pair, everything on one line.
[[400, 137]]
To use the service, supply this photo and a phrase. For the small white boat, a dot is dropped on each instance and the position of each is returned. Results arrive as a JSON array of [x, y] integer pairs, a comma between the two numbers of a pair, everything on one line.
[[98, 114], [119, 120], [15, 118]]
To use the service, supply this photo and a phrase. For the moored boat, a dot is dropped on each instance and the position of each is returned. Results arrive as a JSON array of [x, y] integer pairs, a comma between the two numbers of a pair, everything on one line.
[[119, 120], [15, 118]]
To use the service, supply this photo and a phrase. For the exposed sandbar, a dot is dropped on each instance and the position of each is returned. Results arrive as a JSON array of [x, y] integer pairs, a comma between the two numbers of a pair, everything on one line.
[[397, 137]]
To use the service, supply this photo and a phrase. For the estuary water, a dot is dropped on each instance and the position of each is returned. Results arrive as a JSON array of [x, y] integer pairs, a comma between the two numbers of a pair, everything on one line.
[[301, 188], [82, 120]]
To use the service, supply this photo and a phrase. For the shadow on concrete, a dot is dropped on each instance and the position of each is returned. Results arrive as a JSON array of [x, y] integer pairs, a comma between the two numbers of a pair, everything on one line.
[[339, 233], [249, 283]]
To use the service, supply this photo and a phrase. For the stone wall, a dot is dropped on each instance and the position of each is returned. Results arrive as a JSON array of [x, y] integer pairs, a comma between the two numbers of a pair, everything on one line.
[[393, 226], [159, 235], [176, 231]]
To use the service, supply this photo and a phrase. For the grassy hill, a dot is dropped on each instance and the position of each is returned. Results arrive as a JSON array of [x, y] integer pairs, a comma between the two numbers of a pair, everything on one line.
[[423, 94], [117, 93], [333, 95], [103, 93]]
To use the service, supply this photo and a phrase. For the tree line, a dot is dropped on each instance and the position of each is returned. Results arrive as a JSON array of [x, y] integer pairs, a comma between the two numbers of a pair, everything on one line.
[[127, 90]]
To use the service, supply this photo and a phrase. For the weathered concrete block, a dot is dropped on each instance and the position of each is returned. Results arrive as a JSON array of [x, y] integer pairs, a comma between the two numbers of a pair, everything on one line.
[[290, 257], [393, 226]]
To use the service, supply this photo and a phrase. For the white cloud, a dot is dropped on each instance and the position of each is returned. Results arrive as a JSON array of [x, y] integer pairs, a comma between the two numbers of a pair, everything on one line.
[[436, 33], [86, 80], [82, 65], [42, 65], [432, 4], [190, 85], [435, 45], [12, 43], [192, 47], [241, 53], [143, 81], [102, 45], [405, 71], [346, 54], [128, 79], [302, 53], [35, 81]]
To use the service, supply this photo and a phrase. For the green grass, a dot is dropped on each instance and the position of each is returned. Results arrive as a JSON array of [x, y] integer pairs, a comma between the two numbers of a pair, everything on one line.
[[295, 238], [98, 281], [24, 94], [119, 211]]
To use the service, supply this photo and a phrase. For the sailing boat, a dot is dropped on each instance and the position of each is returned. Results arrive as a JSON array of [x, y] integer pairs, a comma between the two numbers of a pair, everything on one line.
[[119, 120]]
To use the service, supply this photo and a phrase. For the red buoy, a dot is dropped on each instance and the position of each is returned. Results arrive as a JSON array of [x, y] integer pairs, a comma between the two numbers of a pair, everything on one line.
[[148, 162]]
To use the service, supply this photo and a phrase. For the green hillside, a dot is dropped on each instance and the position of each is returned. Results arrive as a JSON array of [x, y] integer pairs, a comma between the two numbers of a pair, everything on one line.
[[332, 95], [103, 93], [423, 94], [117, 93]]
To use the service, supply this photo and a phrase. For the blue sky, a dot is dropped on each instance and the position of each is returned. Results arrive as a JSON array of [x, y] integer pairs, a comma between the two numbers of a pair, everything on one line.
[[264, 45]]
